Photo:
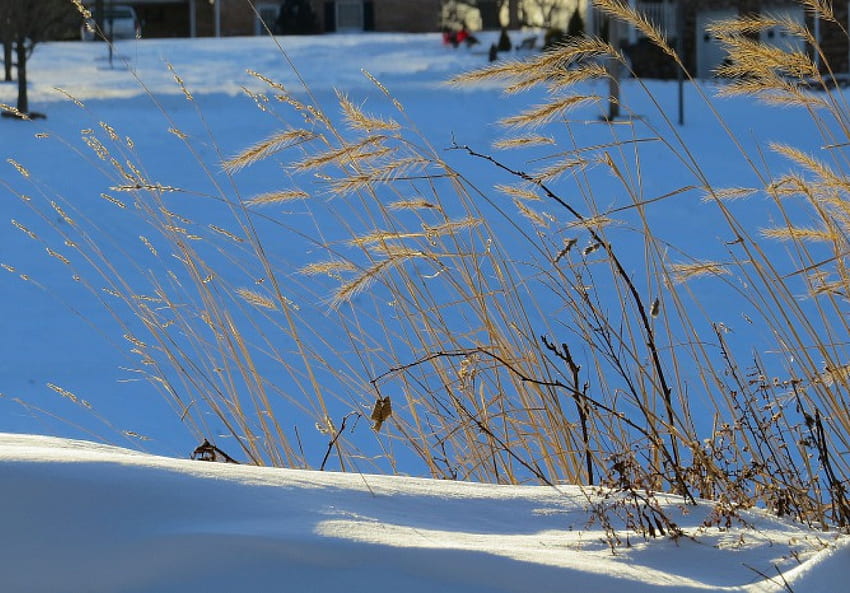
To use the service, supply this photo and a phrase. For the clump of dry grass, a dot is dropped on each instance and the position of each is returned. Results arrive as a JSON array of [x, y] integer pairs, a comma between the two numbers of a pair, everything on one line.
[[576, 361]]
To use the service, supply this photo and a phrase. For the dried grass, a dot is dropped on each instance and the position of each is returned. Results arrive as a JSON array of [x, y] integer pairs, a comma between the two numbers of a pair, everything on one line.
[[510, 354]]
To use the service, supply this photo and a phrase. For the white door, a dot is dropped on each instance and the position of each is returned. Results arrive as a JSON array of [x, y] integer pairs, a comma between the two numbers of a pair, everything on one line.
[[778, 36], [349, 15], [710, 53]]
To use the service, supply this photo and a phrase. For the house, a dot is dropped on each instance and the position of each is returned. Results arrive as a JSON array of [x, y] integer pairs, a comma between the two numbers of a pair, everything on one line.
[[702, 52], [203, 18], [175, 18]]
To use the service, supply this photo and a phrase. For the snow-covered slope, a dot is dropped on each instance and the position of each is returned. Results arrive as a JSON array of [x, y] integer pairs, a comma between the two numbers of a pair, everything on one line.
[[83, 517]]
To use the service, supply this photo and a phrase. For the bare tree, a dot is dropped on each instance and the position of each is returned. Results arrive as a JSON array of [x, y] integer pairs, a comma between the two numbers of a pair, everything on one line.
[[453, 9], [23, 25], [513, 13], [542, 13]]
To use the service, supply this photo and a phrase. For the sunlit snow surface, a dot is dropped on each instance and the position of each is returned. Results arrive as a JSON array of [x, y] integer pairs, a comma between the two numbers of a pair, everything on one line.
[[84, 517]]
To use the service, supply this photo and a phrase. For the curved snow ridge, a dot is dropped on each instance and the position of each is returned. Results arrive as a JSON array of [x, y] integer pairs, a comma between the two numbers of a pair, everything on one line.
[[825, 571], [87, 517]]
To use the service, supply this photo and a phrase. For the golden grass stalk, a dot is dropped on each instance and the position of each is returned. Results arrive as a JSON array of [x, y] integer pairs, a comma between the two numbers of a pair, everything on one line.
[[351, 289], [18, 167], [380, 86], [796, 233], [559, 168], [533, 216], [749, 57], [522, 193], [256, 299], [82, 9], [822, 8], [547, 112], [148, 244], [523, 141], [113, 200], [746, 24], [550, 62], [180, 83], [837, 287], [561, 79], [272, 83], [24, 229], [221, 231], [684, 272], [276, 197], [56, 255], [381, 236], [268, 147], [385, 173], [346, 154], [63, 392], [620, 9], [597, 222], [357, 119], [728, 194], [415, 204], [502, 70], [819, 168], [451, 227], [831, 376], [772, 90], [14, 111], [61, 212], [332, 267]]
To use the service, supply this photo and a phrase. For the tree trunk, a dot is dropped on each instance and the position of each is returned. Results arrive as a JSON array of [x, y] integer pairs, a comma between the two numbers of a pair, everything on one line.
[[7, 59], [21, 54], [513, 15]]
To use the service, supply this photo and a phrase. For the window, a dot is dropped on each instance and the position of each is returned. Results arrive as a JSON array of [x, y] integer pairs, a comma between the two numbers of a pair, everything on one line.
[[268, 15], [349, 15]]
